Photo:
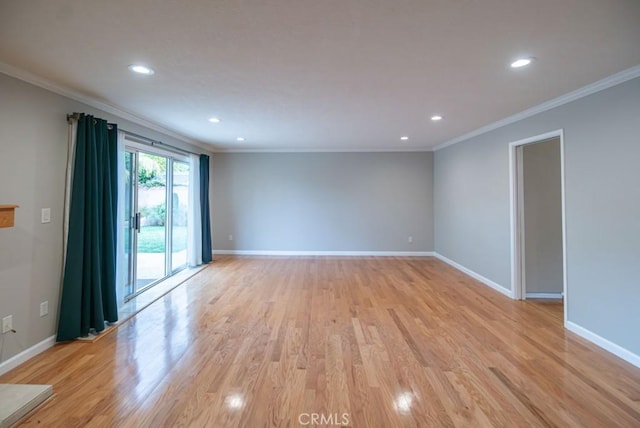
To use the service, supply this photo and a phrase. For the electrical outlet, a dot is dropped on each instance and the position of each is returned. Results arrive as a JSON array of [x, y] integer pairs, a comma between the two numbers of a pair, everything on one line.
[[7, 324], [45, 215], [230, 237], [44, 308], [410, 240]]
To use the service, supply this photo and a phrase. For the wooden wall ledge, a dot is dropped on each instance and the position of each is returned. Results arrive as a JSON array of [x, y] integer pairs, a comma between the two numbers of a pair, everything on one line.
[[7, 215]]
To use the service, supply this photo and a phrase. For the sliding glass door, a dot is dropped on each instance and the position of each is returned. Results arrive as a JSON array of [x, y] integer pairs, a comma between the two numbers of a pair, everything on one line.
[[156, 201]]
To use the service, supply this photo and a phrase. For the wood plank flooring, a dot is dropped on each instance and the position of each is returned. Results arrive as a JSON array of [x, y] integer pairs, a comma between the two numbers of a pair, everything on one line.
[[322, 341]]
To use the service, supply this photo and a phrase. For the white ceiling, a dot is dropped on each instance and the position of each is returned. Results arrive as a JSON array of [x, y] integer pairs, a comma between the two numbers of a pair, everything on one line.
[[321, 74]]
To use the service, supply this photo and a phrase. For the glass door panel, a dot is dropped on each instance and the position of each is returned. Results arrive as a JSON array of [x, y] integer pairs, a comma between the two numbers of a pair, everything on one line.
[[179, 204], [151, 260], [128, 222]]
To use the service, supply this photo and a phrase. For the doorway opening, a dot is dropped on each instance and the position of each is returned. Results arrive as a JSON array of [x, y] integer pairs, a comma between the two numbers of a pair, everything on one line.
[[538, 233], [156, 200]]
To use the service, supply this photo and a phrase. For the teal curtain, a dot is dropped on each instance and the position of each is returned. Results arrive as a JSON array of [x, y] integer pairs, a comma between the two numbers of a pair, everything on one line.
[[89, 283], [204, 209]]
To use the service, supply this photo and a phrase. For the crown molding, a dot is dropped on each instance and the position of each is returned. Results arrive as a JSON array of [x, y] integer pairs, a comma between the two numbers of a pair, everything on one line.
[[317, 150], [41, 82], [600, 85]]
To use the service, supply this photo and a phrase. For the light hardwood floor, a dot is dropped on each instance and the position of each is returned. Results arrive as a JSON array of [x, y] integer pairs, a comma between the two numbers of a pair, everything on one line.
[[254, 342]]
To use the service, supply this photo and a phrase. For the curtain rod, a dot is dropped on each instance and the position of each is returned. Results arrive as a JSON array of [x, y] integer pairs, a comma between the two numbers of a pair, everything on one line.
[[145, 140], [151, 142]]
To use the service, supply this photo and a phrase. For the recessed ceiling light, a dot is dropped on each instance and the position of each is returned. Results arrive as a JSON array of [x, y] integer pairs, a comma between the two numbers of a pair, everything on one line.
[[521, 62], [141, 69], [240, 139], [436, 117], [214, 120], [405, 138]]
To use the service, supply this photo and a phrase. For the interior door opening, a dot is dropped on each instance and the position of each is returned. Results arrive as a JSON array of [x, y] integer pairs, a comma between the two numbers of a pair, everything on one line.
[[538, 219]]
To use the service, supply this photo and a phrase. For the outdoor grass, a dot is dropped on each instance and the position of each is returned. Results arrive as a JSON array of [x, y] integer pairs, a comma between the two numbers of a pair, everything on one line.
[[151, 239]]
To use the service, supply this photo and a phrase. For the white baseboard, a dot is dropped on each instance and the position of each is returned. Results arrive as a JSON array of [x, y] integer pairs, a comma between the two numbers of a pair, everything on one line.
[[27, 354], [474, 275], [327, 253], [543, 295], [616, 350]]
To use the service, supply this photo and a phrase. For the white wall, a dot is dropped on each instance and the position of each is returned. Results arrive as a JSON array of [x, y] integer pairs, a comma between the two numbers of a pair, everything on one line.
[[602, 184], [322, 201], [542, 185], [33, 153]]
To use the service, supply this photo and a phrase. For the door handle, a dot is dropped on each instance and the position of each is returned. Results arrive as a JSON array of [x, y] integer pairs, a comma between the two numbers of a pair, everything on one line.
[[137, 222]]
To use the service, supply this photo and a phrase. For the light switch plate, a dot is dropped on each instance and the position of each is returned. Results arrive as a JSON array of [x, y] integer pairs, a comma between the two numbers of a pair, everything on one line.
[[45, 215], [44, 308], [7, 324]]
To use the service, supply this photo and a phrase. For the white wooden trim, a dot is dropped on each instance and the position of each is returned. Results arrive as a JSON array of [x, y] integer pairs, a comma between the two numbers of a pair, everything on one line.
[[543, 295], [27, 354], [474, 275], [536, 138], [333, 150], [327, 253], [565, 277], [520, 292], [605, 344], [607, 82], [514, 240], [154, 150]]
